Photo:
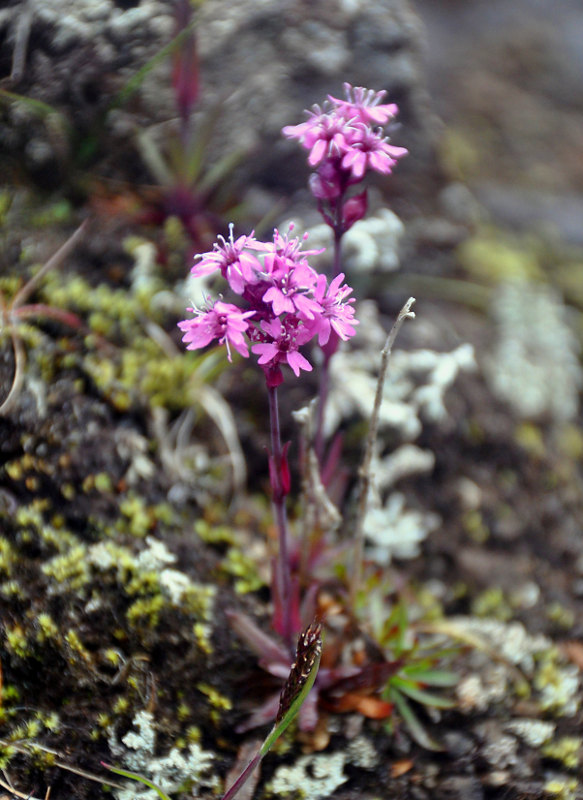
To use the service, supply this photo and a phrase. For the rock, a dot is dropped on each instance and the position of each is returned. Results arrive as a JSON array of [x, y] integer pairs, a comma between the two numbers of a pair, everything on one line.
[[264, 61]]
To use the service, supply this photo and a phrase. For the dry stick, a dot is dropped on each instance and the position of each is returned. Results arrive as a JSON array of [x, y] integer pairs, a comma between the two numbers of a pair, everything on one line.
[[365, 469], [54, 261]]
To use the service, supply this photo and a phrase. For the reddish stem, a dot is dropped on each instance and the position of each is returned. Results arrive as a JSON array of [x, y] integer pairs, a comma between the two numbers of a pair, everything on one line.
[[279, 491]]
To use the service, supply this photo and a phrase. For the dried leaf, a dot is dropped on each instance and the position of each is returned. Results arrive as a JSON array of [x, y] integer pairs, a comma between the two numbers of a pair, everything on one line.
[[401, 767]]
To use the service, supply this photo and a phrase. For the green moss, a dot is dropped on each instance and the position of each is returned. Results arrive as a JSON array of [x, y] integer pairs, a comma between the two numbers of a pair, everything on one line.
[[8, 556], [193, 734], [50, 721], [492, 603], [78, 653], [567, 750], [12, 589], [121, 706], [70, 568], [197, 599], [17, 642], [216, 699], [7, 752], [244, 569], [143, 583], [103, 482], [113, 657], [145, 611], [560, 615], [495, 257], [47, 628], [138, 517], [563, 788], [474, 525], [530, 437], [202, 635], [214, 534]]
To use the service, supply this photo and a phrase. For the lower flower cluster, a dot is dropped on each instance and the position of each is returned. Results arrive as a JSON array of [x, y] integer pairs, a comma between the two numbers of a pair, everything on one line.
[[284, 303]]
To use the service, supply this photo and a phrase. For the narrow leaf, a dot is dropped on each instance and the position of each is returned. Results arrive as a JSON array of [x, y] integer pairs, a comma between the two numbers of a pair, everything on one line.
[[431, 677], [413, 724], [135, 777], [420, 696]]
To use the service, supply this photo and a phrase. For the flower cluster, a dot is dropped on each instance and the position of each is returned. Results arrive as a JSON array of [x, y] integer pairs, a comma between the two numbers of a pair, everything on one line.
[[285, 303], [345, 140]]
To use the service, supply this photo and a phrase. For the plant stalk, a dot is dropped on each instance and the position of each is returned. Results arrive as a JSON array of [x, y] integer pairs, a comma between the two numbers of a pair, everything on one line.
[[279, 491], [325, 370], [365, 469]]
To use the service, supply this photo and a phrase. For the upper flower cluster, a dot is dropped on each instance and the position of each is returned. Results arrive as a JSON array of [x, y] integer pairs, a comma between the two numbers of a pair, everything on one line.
[[286, 303], [345, 139]]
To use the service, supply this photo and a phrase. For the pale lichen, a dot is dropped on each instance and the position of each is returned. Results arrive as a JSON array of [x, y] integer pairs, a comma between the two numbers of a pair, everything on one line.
[[311, 777], [192, 766], [536, 351]]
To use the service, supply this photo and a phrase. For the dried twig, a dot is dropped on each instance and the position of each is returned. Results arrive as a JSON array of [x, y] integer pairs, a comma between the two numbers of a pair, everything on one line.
[[365, 469]]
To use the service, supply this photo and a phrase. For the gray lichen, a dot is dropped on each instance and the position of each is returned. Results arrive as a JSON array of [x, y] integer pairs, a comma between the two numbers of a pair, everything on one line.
[[311, 777], [536, 352], [193, 765]]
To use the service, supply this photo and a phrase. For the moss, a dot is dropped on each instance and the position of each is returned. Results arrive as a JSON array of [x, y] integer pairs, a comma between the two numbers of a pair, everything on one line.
[[214, 534], [557, 685], [567, 750], [17, 641], [216, 699], [530, 437], [202, 635], [78, 653], [8, 556], [7, 752], [146, 610], [12, 589], [474, 525], [143, 583], [140, 520], [494, 256], [47, 628], [560, 615], [244, 569], [492, 603], [121, 706], [70, 568], [562, 788]]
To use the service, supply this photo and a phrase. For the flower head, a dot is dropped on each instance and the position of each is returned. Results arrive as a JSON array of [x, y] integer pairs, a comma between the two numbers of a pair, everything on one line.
[[281, 345], [345, 140], [283, 303], [337, 312], [364, 105], [369, 150], [237, 266], [223, 321]]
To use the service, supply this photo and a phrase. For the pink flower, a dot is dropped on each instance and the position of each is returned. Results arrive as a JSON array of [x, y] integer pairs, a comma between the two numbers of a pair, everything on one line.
[[363, 105], [370, 151], [282, 345], [223, 321], [337, 312], [324, 135], [237, 266]]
